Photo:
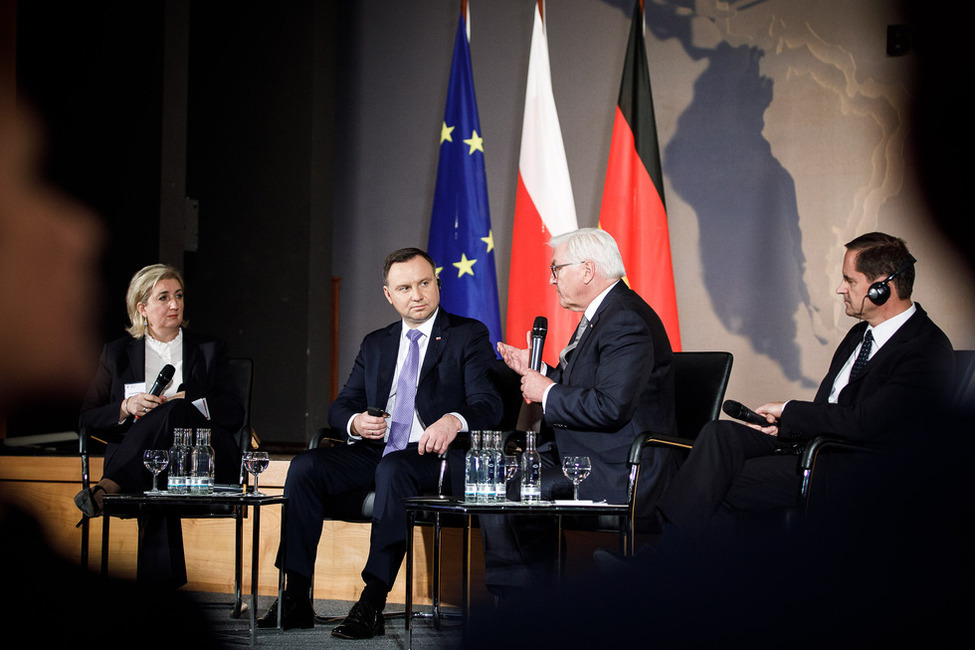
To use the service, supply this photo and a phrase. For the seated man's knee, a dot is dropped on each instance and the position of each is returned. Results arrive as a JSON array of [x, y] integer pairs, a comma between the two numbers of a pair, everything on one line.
[[301, 471]]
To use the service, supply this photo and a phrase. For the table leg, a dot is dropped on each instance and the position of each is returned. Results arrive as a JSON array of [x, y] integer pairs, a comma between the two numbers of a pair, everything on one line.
[[465, 577], [437, 542], [255, 548], [410, 523], [283, 551], [238, 561]]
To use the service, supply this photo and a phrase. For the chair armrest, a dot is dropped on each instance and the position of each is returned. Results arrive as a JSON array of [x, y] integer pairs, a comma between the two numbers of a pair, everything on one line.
[[807, 461], [650, 439], [323, 434], [808, 457]]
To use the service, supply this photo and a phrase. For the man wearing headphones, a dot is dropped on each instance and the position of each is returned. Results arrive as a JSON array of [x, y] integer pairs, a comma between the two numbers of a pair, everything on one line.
[[885, 381]]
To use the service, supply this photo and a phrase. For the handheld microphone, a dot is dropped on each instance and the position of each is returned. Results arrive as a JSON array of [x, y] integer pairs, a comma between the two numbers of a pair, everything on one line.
[[539, 329], [162, 380], [741, 412]]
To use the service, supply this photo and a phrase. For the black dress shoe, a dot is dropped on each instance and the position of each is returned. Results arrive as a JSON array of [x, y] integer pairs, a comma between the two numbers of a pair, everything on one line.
[[363, 622], [296, 614]]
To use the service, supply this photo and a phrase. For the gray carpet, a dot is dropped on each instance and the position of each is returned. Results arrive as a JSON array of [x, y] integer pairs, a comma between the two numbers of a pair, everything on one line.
[[236, 631]]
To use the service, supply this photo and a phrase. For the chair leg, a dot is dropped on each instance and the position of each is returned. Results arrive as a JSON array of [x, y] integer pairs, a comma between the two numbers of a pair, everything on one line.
[[84, 542]]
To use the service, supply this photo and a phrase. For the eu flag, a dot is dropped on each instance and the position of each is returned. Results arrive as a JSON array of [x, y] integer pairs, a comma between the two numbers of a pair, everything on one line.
[[461, 241]]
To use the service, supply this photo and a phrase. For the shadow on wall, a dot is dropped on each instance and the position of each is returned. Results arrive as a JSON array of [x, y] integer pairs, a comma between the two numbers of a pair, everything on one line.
[[747, 208]]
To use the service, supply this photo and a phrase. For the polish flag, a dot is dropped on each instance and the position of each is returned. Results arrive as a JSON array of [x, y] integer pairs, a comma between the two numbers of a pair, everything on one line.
[[544, 207]]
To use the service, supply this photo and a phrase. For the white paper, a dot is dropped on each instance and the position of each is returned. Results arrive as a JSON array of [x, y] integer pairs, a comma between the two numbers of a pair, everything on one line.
[[201, 405], [134, 389]]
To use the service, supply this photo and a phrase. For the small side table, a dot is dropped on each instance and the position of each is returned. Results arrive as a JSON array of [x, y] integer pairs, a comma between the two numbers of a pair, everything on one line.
[[222, 496], [468, 510]]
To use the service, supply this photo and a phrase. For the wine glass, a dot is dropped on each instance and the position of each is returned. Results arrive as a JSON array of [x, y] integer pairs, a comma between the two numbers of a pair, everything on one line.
[[156, 461], [576, 469], [256, 462]]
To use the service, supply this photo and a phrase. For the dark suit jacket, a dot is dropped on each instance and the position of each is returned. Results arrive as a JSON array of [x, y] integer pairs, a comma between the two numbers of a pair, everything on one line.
[[905, 381], [454, 376], [206, 373], [619, 381]]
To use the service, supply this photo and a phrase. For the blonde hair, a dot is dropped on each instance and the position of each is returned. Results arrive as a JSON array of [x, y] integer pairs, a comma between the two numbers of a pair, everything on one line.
[[140, 287]]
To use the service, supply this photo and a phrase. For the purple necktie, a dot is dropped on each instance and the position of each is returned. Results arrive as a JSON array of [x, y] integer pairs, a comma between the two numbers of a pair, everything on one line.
[[399, 430]]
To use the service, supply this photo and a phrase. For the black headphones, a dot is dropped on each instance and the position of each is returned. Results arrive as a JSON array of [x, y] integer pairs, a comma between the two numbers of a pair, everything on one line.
[[879, 291]]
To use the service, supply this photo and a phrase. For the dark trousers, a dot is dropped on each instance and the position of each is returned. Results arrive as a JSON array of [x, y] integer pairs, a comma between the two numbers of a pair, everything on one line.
[[319, 477], [123, 461], [732, 469], [162, 559], [520, 553]]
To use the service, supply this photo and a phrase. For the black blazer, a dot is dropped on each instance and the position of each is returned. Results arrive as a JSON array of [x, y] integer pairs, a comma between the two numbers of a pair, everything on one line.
[[454, 376], [908, 379], [206, 373], [619, 381]]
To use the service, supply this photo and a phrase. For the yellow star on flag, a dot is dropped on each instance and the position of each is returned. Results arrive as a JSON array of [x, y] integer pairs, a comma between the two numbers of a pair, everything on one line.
[[464, 265], [489, 240], [476, 143], [445, 132]]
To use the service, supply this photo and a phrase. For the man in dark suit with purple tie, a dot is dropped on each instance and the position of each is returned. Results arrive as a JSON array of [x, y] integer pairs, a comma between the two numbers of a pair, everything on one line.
[[428, 372]]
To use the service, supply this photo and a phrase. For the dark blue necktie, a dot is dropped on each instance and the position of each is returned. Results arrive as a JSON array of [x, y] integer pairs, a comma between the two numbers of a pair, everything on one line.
[[399, 430], [861, 360]]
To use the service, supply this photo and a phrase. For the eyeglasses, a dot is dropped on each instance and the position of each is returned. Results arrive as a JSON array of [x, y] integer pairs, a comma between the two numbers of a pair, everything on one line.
[[555, 268]]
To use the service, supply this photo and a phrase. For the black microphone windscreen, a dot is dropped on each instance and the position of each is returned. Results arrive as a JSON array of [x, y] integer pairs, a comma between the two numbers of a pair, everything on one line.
[[741, 412], [733, 408], [162, 379], [540, 326]]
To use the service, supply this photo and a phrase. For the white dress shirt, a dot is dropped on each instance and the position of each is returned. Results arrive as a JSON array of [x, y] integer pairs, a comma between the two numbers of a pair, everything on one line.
[[881, 334], [158, 354]]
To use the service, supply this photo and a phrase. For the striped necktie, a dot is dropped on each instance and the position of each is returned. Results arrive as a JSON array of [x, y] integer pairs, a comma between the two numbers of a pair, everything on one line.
[[563, 356]]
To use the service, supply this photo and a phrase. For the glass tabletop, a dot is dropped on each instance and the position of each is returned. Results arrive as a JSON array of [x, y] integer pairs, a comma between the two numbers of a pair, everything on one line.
[[560, 507], [230, 494]]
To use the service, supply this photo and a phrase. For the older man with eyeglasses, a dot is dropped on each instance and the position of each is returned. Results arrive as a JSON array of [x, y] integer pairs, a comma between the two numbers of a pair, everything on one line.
[[615, 379]]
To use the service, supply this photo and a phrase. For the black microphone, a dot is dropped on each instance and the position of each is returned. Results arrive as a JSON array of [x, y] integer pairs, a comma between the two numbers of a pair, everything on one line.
[[162, 380], [741, 412], [539, 329]]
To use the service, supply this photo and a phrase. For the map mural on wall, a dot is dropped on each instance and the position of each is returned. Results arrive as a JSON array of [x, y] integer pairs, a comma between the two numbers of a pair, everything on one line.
[[721, 162]]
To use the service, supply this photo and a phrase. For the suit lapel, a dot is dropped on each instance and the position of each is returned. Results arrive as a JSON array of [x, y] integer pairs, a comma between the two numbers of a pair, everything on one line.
[[583, 344], [905, 332], [137, 360], [190, 355], [843, 352], [387, 360]]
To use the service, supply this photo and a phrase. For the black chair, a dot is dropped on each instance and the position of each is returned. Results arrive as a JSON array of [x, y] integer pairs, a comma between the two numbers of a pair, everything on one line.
[[243, 373], [700, 381], [962, 390]]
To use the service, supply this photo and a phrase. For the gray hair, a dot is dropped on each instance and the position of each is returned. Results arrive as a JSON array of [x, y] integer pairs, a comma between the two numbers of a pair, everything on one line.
[[592, 245]]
